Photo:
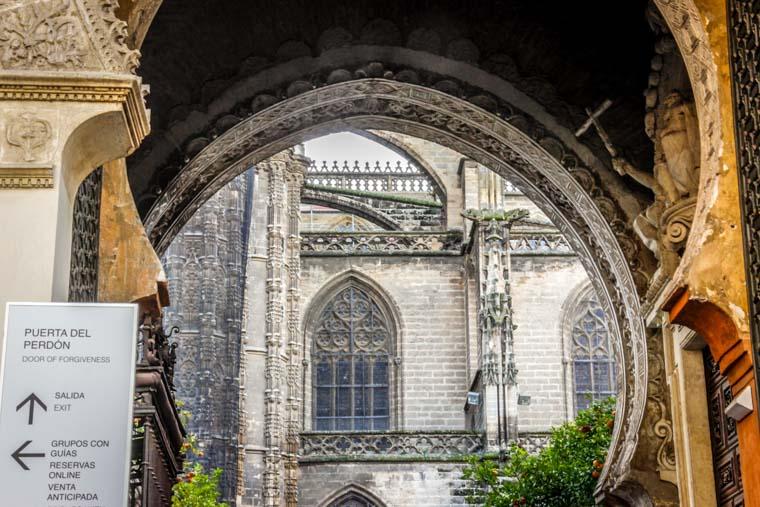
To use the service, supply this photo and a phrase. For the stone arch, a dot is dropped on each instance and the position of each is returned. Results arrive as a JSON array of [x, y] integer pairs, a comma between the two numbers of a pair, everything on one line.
[[392, 311], [542, 167], [349, 491], [348, 205]]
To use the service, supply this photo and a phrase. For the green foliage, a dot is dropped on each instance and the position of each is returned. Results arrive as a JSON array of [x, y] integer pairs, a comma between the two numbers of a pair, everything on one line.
[[563, 474], [195, 487], [198, 489]]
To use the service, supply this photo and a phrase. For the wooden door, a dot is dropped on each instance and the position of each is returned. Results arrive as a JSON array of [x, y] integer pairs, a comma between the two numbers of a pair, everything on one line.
[[725, 444]]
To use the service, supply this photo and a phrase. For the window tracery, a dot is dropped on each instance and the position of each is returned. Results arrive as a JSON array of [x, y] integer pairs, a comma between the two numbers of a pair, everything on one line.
[[592, 354], [352, 345]]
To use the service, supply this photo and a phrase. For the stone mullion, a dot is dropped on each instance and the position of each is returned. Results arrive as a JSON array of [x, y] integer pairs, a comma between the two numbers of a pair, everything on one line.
[[274, 322], [295, 183]]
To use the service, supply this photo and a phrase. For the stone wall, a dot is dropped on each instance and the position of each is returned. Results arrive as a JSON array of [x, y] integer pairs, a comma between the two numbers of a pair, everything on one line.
[[395, 484], [540, 288]]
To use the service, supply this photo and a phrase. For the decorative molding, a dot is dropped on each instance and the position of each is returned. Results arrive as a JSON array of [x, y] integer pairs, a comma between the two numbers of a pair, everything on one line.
[[125, 90], [18, 176], [389, 445], [332, 244]]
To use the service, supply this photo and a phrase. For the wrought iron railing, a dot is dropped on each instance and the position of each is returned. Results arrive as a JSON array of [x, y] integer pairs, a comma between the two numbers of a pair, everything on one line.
[[318, 244], [397, 445], [157, 433]]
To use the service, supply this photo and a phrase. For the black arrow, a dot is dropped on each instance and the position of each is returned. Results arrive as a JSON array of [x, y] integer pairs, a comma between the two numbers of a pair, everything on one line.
[[17, 455], [31, 399]]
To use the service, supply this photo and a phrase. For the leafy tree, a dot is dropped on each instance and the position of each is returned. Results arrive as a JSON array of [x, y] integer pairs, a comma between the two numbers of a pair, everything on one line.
[[195, 487], [563, 474]]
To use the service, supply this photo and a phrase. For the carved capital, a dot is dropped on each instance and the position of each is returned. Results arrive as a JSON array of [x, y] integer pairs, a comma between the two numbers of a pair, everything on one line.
[[68, 35]]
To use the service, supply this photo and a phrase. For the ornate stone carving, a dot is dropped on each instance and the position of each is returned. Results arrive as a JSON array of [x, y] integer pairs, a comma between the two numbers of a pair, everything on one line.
[[381, 243], [42, 34], [547, 173], [25, 161], [399, 445], [65, 34], [29, 134]]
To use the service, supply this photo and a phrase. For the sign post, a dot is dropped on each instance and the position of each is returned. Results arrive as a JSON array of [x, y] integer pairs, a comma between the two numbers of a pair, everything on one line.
[[66, 391]]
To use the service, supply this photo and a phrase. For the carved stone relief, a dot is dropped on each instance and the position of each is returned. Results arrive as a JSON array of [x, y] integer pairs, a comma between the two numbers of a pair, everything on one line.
[[64, 35], [25, 150], [29, 134]]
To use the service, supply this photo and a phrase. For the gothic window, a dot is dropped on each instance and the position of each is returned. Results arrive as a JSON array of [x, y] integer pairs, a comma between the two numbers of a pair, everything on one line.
[[351, 358], [592, 354]]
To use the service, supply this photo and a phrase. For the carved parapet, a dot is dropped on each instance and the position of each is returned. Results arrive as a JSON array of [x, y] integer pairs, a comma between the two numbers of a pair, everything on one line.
[[381, 243], [396, 445]]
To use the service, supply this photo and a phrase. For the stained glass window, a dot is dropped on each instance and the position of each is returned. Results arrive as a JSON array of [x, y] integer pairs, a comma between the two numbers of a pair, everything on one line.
[[351, 357], [593, 358]]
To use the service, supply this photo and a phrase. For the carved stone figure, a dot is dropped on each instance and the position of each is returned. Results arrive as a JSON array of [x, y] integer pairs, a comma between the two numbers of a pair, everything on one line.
[[679, 137], [675, 180]]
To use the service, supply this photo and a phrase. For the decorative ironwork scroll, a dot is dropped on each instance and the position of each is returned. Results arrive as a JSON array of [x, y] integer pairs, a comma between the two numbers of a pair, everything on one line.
[[83, 277], [744, 38], [438, 445]]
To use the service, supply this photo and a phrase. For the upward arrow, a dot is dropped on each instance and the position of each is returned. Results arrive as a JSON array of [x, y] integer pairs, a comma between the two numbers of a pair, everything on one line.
[[31, 400]]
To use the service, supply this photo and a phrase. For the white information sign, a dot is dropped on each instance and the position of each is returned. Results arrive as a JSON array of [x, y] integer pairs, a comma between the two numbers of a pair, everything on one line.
[[66, 392]]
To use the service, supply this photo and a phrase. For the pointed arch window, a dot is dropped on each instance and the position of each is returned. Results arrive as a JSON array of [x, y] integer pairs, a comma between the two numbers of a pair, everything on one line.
[[592, 354], [352, 346]]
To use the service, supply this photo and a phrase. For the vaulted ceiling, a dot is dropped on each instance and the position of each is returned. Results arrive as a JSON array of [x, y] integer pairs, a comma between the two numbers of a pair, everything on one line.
[[207, 60]]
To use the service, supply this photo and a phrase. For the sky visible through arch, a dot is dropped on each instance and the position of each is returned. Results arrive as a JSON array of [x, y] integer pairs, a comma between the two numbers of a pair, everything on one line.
[[345, 146]]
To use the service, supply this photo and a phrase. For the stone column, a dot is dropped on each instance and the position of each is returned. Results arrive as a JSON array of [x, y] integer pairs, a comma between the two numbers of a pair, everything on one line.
[[254, 346], [275, 310], [295, 177], [272, 395], [66, 107]]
